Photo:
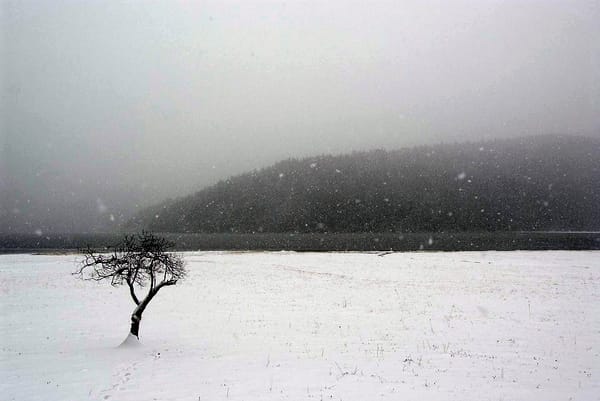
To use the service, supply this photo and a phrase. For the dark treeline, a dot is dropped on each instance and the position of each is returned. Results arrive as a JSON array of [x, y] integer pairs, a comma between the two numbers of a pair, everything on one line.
[[539, 183], [449, 241]]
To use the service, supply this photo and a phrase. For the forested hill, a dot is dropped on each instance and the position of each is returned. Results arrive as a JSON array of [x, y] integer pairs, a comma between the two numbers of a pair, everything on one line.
[[534, 183]]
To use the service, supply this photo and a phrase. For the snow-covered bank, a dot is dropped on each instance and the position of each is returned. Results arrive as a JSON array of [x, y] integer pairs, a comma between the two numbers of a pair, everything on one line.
[[274, 326]]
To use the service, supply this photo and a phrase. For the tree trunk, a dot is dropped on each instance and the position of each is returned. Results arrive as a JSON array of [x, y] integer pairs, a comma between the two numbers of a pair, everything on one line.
[[136, 316], [135, 325]]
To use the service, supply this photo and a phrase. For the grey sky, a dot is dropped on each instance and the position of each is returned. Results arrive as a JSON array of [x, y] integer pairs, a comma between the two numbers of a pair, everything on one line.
[[126, 103]]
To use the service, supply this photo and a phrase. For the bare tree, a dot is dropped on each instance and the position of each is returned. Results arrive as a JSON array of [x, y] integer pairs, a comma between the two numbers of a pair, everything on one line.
[[139, 261]]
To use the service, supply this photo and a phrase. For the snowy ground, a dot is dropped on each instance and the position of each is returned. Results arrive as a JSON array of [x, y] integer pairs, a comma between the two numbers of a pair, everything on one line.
[[327, 326]]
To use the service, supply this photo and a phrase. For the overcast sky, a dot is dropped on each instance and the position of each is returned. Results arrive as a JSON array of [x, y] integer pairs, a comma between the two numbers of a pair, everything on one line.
[[134, 102]]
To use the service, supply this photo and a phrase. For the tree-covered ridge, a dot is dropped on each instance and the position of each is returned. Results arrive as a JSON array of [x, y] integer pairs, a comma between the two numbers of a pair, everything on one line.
[[533, 183]]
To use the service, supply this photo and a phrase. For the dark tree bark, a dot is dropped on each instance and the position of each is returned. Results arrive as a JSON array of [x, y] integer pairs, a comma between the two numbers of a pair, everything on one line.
[[136, 316], [135, 325]]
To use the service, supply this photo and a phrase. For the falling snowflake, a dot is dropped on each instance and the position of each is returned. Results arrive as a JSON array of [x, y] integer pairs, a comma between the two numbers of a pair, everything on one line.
[[101, 206]]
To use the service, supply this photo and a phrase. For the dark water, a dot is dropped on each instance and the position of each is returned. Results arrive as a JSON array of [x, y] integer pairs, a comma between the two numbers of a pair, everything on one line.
[[321, 242]]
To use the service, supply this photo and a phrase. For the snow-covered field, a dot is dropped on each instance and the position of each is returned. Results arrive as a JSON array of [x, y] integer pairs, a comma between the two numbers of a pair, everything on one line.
[[310, 326]]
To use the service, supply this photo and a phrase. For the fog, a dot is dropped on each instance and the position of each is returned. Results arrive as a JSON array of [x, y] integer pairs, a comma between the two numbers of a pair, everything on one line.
[[108, 107]]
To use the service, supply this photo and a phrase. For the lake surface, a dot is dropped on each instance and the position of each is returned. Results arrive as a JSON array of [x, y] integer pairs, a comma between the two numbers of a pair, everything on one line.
[[469, 326]]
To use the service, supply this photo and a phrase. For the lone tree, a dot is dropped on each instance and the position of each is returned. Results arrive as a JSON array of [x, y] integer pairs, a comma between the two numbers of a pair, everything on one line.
[[139, 261]]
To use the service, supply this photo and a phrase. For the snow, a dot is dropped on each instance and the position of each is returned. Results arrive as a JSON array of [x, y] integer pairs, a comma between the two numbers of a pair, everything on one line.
[[314, 326], [130, 341]]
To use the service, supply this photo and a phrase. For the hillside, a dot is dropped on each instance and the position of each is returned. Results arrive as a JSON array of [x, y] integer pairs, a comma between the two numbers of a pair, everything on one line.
[[531, 184]]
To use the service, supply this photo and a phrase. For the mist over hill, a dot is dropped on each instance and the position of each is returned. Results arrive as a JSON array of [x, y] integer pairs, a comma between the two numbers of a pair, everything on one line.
[[532, 184]]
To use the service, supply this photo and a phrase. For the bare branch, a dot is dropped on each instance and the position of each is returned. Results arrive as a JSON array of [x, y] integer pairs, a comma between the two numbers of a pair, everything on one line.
[[139, 260], [132, 293]]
